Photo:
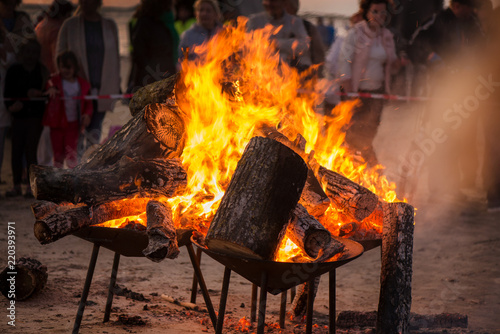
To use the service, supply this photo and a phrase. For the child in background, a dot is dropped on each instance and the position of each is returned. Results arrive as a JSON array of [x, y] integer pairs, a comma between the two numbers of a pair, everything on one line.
[[66, 116]]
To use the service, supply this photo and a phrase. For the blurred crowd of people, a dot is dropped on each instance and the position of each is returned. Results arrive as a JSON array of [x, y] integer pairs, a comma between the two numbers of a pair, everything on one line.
[[72, 51]]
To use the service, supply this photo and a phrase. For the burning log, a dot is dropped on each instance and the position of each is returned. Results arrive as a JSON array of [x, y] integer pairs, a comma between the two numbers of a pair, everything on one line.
[[60, 223], [31, 277], [42, 209], [393, 314], [313, 197], [155, 132], [354, 200], [157, 92], [126, 178], [161, 233], [261, 195], [307, 233]]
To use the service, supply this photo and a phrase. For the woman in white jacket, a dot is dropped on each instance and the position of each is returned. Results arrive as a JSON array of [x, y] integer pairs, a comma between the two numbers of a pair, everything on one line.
[[94, 39]]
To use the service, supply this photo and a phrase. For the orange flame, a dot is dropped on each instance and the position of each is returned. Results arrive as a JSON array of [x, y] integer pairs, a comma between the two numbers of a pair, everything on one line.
[[235, 87]]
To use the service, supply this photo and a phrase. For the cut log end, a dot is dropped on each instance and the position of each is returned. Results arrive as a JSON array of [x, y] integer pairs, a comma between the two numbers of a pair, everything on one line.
[[31, 277]]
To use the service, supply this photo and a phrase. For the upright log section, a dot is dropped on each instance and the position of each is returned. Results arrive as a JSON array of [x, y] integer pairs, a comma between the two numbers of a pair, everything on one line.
[[155, 132], [126, 178], [161, 233], [257, 205], [393, 314]]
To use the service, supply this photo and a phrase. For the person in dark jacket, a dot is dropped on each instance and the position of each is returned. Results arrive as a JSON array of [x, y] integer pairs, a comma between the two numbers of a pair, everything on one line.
[[25, 80], [154, 42]]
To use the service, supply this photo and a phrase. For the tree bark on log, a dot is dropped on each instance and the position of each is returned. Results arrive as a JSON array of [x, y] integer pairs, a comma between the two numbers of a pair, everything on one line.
[[42, 209], [30, 278], [161, 233], [61, 223], [357, 319], [261, 195], [307, 233], [124, 179], [157, 92], [313, 197], [393, 314], [155, 132], [299, 303], [354, 200]]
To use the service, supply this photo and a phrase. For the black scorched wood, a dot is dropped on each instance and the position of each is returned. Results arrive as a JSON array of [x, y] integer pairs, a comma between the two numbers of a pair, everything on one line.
[[256, 207], [156, 92], [161, 233], [59, 223], [126, 178]]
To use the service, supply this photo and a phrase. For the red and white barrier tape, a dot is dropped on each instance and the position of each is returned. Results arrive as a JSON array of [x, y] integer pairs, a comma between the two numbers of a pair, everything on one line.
[[87, 97]]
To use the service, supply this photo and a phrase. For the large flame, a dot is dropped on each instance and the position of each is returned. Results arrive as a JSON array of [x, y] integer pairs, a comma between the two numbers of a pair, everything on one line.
[[236, 87]]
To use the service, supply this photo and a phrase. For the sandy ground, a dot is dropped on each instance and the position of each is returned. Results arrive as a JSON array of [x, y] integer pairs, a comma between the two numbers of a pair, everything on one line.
[[456, 266]]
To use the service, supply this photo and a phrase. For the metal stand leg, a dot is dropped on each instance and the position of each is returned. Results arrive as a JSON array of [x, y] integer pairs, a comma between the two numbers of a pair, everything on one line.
[[253, 304], [283, 309], [310, 306], [262, 304], [194, 288], [201, 280], [86, 288], [112, 281], [223, 299], [293, 291], [332, 300]]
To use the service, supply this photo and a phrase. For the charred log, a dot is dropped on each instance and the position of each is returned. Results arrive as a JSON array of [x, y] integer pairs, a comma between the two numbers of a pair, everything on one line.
[[61, 223], [261, 195], [393, 314], [157, 92], [307, 233], [161, 233], [124, 179], [42, 209], [31, 277], [357, 319], [354, 200], [299, 303], [155, 132]]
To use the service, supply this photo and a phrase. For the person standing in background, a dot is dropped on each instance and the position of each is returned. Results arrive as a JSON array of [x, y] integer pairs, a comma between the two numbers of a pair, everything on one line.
[[292, 39], [367, 59], [316, 49], [17, 23], [154, 43], [48, 28], [25, 79], [208, 23], [7, 58], [184, 17], [94, 39], [46, 32]]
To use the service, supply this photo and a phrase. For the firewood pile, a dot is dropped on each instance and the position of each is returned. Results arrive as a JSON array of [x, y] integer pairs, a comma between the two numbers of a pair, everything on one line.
[[277, 190]]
